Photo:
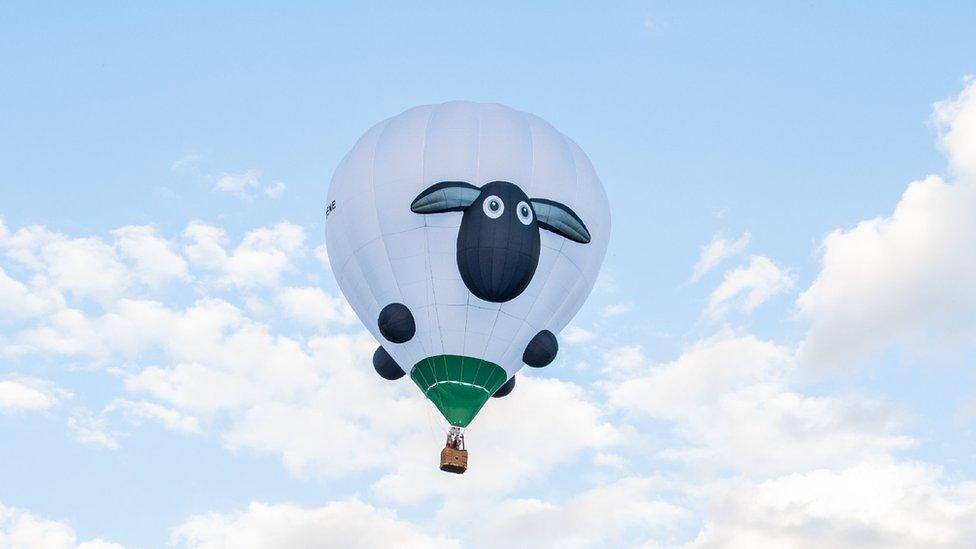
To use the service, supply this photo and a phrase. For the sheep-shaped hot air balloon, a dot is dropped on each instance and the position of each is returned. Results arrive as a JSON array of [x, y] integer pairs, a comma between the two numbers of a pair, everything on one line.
[[458, 273]]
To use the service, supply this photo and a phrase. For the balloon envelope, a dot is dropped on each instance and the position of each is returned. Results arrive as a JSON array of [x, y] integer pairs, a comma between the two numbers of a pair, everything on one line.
[[464, 347]]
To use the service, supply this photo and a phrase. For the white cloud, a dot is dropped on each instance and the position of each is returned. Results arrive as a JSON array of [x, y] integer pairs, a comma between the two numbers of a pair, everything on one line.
[[67, 332], [956, 121], [349, 524], [246, 184], [623, 360], [615, 461], [206, 245], [187, 161], [219, 358], [19, 301], [705, 371], [171, 419], [576, 335], [891, 277], [878, 504], [84, 267], [616, 309], [29, 395], [313, 307], [154, 259], [746, 288], [600, 517], [19, 529], [91, 428], [348, 421], [729, 398], [719, 249], [240, 184], [260, 259], [322, 254], [274, 190]]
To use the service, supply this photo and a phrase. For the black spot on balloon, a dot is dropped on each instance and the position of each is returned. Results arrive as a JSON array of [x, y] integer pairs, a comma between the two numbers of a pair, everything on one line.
[[541, 351], [385, 366], [505, 389], [396, 323]]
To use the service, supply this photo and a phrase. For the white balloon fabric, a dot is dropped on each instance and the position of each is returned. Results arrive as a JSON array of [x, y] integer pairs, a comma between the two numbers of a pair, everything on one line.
[[395, 236]]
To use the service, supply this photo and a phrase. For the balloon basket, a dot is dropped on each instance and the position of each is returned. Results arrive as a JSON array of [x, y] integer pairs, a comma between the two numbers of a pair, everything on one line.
[[454, 458]]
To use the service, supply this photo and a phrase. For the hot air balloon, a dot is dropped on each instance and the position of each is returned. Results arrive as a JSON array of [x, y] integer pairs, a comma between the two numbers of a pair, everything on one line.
[[465, 236]]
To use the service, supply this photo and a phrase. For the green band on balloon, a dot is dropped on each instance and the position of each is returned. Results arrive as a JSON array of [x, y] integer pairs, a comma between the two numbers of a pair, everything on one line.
[[458, 385]]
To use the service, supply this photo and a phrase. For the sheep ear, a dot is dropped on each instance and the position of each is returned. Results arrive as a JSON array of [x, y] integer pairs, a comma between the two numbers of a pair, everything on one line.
[[560, 219], [446, 196]]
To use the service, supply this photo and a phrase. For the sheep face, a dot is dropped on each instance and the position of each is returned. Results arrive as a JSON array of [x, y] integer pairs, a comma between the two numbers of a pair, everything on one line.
[[498, 242]]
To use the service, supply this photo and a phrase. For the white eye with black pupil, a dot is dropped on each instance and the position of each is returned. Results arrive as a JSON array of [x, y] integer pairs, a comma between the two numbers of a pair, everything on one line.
[[493, 207], [524, 213]]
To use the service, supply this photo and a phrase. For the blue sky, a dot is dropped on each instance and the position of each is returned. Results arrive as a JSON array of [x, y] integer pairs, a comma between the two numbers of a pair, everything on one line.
[[165, 169]]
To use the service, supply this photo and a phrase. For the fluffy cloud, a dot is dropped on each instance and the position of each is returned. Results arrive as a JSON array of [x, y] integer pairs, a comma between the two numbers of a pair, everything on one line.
[[729, 398], [719, 249], [83, 267], [349, 524], [171, 419], [347, 422], [220, 359], [894, 276], [91, 428], [880, 504], [154, 260], [956, 121], [597, 517], [746, 288], [20, 529], [312, 307], [623, 360], [616, 309], [66, 332], [29, 395], [576, 335], [19, 301], [246, 184], [260, 259]]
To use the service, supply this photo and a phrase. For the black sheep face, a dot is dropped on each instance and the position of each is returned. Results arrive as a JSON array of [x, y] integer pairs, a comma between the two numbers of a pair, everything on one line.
[[498, 242]]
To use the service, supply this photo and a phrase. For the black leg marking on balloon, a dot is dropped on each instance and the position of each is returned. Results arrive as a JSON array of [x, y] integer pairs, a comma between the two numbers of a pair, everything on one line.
[[541, 350], [396, 323], [385, 366], [505, 389]]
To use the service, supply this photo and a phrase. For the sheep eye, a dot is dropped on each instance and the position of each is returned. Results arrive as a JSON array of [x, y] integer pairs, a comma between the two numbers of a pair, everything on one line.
[[493, 207], [524, 213]]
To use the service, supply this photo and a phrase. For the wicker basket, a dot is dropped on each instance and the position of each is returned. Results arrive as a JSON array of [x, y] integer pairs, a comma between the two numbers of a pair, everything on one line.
[[454, 460]]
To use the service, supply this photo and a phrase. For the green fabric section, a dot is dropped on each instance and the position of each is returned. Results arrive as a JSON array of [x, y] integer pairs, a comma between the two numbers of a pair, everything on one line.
[[458, 385]]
